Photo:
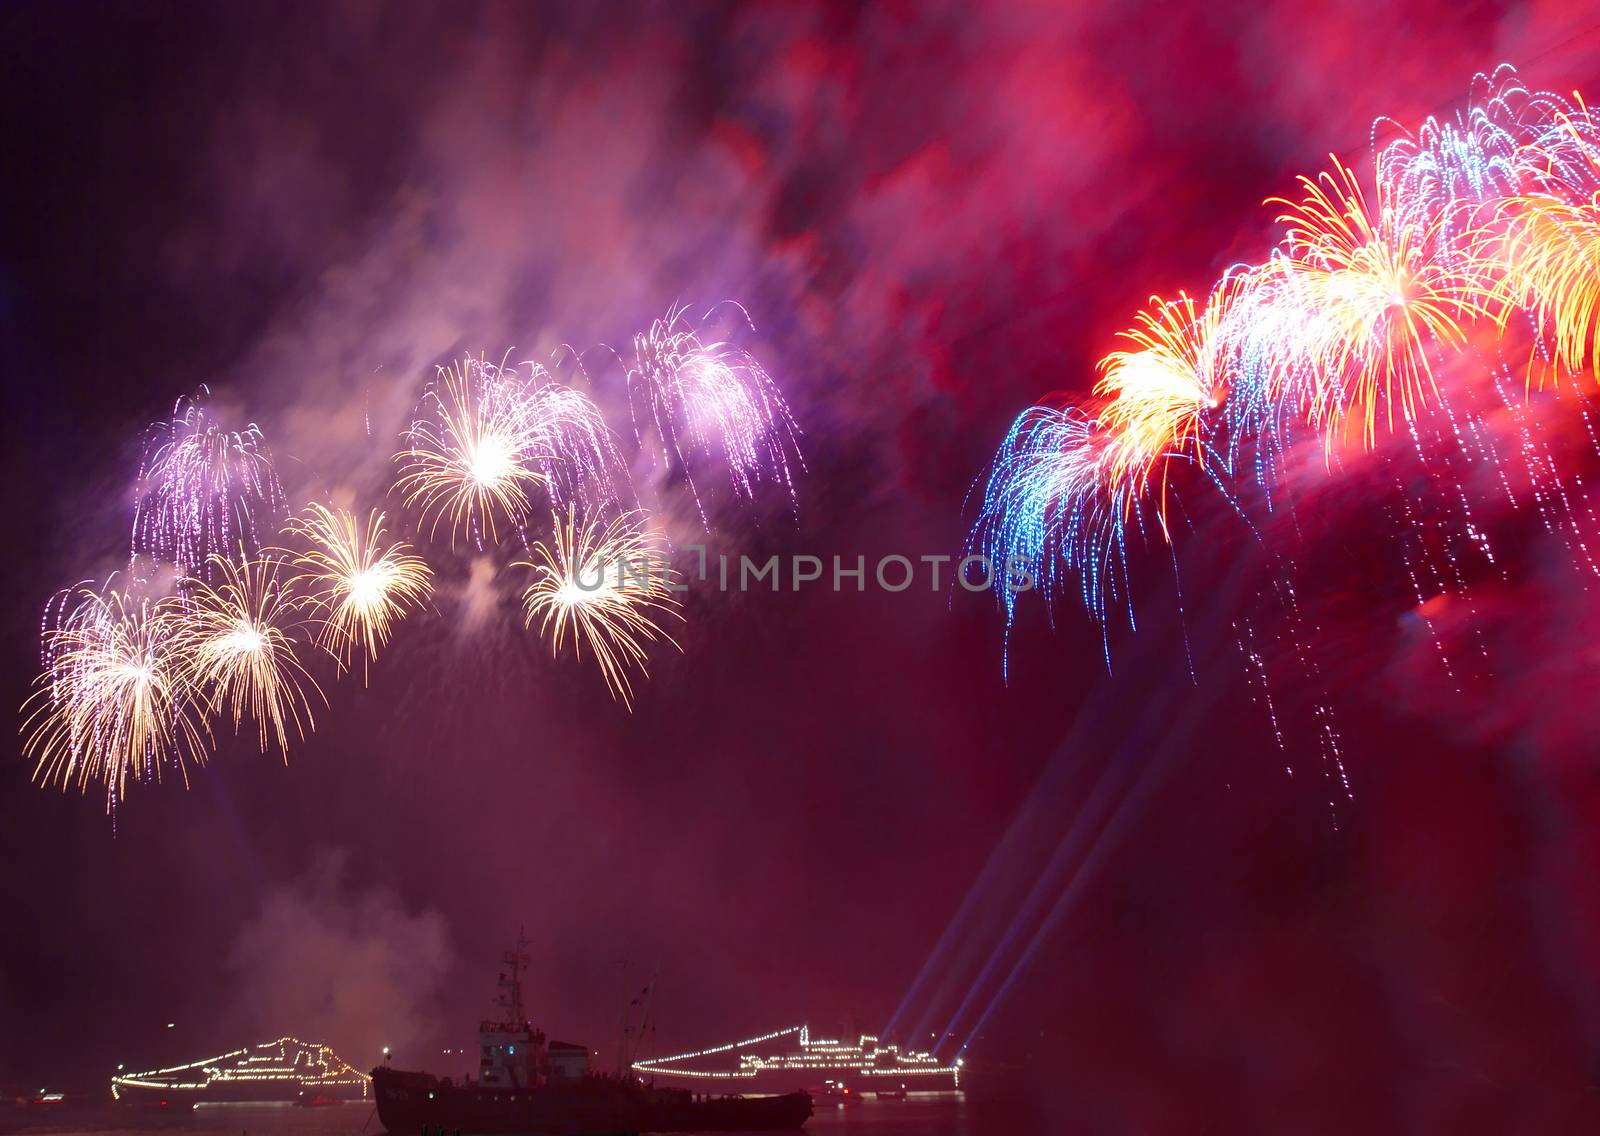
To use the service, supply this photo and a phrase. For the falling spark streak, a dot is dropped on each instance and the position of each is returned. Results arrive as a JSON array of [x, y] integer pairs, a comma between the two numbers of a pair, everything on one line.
[[114, 698], [357, 585], [606, 586], [236, 645]]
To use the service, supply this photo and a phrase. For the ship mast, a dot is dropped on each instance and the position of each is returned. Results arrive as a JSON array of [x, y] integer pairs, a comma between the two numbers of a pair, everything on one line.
[[517, 960], [646, 1019], [631, 1041], [627, 1016]]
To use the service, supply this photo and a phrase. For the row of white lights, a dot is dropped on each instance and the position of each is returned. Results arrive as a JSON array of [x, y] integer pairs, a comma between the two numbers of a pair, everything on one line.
[[338, 1072], [819, 1054]]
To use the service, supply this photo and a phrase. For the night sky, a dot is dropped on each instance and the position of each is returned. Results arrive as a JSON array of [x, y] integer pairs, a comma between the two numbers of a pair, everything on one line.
[[935, 215]]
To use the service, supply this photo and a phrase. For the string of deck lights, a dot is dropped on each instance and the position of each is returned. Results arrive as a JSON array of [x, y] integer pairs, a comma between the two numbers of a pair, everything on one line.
[[311, 1064], [824, 1053]]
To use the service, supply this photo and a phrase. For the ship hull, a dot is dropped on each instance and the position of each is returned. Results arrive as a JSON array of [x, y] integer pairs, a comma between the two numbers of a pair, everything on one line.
[[787, 1080], [411, 1102]]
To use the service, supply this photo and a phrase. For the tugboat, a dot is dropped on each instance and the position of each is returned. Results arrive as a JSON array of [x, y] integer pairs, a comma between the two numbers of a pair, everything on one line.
[[528, 1087]]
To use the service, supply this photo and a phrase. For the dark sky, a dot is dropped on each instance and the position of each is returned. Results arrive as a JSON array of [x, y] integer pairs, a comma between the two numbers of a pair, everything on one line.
[[936, 215]]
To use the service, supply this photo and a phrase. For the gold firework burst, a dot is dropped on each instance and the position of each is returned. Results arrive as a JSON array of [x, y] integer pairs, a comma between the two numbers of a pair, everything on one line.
[[471, 456], [113, 699], [1378, 295], [357, 585], [236, 645], [605, 586]]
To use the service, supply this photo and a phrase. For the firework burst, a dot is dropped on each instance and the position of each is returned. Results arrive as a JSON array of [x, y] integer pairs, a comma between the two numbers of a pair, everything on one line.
[[129, 685], [202, 489], [1550, 253], [114, 699], [1345, 328], [706, 400], [1049, 506], [606, 587], [1475, 156], [236, 645], [1159, 393], [576, 450], [1377, 298], [472, 458], [356, 584]]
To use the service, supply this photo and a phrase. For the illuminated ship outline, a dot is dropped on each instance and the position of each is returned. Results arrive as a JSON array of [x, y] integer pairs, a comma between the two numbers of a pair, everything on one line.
[[237, 1074], [869, 1056]]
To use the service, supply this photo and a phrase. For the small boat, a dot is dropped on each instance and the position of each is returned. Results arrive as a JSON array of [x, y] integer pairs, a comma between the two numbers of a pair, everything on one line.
[[836, 1093], [316, 1100], [43, 1099]]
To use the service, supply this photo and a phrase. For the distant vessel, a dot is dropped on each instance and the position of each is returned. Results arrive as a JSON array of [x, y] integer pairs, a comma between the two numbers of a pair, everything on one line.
[[282, 1070], [316, 1100], [38, 1100], [530, 1087], [769, 1063]]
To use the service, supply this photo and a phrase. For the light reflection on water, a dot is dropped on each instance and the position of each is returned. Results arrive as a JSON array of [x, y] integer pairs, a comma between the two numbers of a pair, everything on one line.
[[942, 1117]]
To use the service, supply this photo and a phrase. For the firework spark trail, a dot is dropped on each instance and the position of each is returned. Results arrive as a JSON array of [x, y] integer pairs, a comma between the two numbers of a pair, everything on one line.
[[709, 400], [1420, 595], [606, 586], [1469, 441], [114, 698], [356, 584], [202, 489], [1456, 526], [471, 458], [1545, 483], [1330, 746], [235, 644], [1244, 636]]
